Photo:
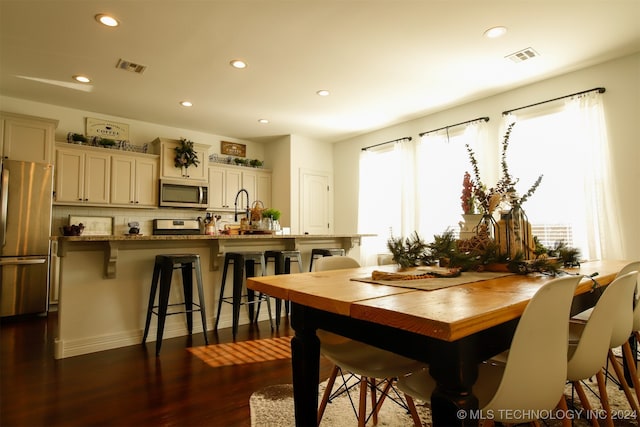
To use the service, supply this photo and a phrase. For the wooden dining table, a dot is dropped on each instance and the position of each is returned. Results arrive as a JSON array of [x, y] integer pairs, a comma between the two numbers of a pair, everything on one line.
[[452, 329]]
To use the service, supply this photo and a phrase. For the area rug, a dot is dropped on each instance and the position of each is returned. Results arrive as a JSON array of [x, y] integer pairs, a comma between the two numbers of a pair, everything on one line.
[[273, 407], [243, 352]]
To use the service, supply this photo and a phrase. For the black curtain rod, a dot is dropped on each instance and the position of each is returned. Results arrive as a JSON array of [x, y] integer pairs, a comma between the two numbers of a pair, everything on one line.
[[599, 89], [486, 119], [388, 142]]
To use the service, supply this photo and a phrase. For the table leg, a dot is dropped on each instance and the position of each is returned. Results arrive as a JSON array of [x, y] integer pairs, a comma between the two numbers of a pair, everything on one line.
[[305, 361], [452, 402]]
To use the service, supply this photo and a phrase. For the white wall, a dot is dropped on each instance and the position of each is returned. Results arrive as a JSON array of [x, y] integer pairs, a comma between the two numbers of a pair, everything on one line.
[[620, 77]]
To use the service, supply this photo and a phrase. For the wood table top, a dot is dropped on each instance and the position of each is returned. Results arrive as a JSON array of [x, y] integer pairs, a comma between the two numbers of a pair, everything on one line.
[[447, 314]]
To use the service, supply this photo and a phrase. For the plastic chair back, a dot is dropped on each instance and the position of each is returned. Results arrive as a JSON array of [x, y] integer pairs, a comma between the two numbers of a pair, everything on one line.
[[537, 357], [590, 354], [335, 263]]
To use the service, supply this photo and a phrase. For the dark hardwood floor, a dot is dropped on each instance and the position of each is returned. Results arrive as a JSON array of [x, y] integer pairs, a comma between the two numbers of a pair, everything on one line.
[[128, 386]]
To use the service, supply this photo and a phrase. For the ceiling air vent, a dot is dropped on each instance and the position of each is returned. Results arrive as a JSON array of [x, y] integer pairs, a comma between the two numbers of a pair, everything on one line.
[[130, 66], [523, 55]]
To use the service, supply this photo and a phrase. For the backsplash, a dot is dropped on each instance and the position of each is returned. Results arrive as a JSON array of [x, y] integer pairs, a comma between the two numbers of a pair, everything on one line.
[[122, 216]]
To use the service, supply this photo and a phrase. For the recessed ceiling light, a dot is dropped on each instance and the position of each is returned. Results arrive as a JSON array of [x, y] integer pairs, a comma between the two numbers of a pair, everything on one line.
[[186, 103], [495, 32], [263, 121], [238, 63], [323, 92], [81, 79], [107, 20]]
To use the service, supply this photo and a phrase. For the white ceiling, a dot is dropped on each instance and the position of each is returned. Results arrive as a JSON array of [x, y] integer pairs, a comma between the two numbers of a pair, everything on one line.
[[384, 61]]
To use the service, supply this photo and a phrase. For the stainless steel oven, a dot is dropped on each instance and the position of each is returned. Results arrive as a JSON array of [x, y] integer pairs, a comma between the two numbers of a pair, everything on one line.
[[184, 194]]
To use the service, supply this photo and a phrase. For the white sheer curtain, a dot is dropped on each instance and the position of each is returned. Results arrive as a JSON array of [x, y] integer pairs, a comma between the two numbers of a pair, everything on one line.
[[568, 145], [386, 197], [442, 160]]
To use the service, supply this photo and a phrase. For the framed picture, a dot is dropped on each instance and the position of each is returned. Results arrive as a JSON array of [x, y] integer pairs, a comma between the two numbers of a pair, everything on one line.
[[107, 129], [233, 149]]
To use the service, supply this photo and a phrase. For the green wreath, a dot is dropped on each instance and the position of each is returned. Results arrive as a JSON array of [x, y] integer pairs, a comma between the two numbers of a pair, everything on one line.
[[185, 154]]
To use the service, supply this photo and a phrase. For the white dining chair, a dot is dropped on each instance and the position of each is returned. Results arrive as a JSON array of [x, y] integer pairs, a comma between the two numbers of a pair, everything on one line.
[[608, 326], [533, 378], [368, 362], [627, 353]]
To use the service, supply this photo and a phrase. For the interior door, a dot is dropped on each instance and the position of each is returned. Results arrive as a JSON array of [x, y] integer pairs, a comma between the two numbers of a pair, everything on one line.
[[314, 203]]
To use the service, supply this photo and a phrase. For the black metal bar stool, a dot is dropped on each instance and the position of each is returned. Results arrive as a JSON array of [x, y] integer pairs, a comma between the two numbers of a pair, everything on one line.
[[243, 263], [163, 272], [321, 252], [283, 261]]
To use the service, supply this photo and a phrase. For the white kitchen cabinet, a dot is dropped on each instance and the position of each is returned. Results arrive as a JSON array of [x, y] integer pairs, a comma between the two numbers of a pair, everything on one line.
[[27, 138], [226, 181], [82, 176], [134, 180], [166, 148]]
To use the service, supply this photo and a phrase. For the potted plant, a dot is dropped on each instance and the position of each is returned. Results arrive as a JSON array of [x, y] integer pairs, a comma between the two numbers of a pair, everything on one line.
[[186, 155], [78, 138], [107, 142], [274, 214], [256, 163]]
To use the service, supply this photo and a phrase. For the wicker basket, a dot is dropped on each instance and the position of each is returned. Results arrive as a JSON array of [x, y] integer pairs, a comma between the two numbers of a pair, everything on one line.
[[256, 210]]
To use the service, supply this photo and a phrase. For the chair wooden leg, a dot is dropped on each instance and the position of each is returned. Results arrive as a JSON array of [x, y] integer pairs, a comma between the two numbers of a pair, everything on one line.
[[362, 410], [327, 392], [413, 411], [623, 382], [631, 363], [374, 398], [604, 398], [564, 410], [585, 403]]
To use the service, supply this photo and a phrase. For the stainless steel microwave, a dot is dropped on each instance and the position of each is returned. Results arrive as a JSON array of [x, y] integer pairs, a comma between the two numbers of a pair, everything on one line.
[[184, 194]]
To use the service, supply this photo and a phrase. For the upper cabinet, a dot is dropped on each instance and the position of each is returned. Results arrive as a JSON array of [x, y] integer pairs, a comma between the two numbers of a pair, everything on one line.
[[82, 176], [167, 149], [27, 138], [99, 177], [134, 181], [226, 181]]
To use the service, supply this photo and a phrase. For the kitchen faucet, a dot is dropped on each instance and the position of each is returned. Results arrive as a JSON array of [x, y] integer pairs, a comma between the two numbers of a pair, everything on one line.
[[242, 190]]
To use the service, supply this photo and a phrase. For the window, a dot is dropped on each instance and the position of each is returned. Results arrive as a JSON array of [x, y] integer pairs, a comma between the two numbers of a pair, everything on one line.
[[567, 144], [441, 163]]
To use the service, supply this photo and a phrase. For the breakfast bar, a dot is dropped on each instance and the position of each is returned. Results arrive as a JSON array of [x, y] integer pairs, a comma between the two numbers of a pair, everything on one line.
[[105, 280]]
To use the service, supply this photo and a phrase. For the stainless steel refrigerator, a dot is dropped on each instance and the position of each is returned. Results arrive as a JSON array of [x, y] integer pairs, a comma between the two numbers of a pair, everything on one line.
[[25, 226]]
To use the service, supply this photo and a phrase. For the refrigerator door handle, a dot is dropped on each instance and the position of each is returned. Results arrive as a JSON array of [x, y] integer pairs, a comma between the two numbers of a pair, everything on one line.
[[4, 205], [21, 261]]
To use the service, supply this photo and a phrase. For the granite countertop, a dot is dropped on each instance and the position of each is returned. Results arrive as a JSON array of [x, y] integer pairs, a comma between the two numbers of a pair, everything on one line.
[[127, 237]]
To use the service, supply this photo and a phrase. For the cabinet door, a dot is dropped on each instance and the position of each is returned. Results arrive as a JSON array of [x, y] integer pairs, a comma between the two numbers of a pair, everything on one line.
[[28, 140], [263, 188], [146, 183], [216, 188], [169, 170], [123, 172], [97, 178], [69, 172], [250, 183], [233, 184]]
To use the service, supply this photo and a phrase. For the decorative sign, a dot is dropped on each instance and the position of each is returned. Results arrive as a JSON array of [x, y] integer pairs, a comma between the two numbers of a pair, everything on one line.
[[233, 149], [107, 129]]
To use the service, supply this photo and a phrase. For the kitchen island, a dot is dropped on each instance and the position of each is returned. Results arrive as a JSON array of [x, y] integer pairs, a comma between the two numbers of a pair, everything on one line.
[[105, 280]]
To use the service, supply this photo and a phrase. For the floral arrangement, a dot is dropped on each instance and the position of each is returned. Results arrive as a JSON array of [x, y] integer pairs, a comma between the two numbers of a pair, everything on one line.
[[468, 198], [185, 154], [504, 191]]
